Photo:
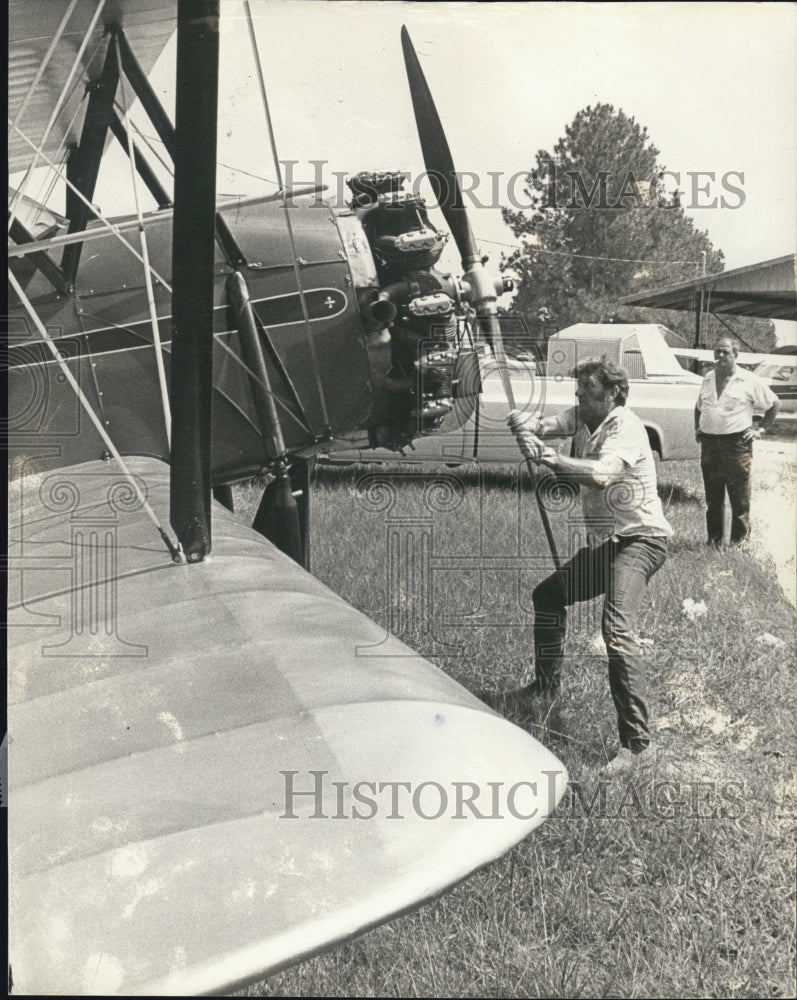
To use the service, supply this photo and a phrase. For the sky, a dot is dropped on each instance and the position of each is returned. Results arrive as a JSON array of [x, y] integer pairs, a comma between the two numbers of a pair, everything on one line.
[[714, 84]]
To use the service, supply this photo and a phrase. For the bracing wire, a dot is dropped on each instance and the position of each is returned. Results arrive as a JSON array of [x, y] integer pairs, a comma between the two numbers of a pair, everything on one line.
[[150, 144], [70, 378], [303, 424], [109, 225], [51, 179], [152, 141], [289, 226], [38, 150]]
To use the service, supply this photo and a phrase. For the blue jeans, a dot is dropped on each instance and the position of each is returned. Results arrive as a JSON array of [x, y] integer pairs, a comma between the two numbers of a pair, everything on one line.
[[620, 569]]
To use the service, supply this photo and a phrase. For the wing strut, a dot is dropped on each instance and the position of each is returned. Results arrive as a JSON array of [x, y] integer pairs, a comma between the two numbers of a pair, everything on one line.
[[193, 253], [144, 92], [160, 120], [144, 170], [83, 165], [278, 517], [142, 233], [40, 258]]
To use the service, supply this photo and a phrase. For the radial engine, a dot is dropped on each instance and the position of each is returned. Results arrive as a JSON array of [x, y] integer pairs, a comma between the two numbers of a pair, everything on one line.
[[421, 342]]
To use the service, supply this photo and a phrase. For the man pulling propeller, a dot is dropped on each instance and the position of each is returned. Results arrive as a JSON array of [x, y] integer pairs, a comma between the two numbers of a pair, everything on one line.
[[613, 462], [626, 542]]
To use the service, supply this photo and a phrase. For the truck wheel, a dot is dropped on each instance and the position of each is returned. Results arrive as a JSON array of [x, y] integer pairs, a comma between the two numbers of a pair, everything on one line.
[[655, 446]]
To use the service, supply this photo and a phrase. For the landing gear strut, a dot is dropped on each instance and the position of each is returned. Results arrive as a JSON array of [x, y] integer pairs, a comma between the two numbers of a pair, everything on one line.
[[283, 516]]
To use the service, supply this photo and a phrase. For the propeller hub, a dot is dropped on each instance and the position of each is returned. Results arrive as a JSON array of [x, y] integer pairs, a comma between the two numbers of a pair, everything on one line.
[[484, 288]]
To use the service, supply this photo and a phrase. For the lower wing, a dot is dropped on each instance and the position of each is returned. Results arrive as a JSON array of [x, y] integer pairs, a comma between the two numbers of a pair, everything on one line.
[[218, 769]]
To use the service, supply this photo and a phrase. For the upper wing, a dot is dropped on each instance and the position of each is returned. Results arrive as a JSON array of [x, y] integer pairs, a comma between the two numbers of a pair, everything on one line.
[[41, 81], [166, 725]]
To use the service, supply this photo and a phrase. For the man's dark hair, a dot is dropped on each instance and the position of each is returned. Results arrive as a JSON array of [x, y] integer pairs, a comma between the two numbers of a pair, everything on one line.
[[607, 373]]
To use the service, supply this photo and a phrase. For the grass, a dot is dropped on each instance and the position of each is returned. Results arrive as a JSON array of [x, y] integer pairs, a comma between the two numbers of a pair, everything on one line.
[[678, 884]]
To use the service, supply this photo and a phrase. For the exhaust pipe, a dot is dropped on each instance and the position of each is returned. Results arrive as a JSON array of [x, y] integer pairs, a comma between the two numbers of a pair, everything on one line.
[[382, 311]]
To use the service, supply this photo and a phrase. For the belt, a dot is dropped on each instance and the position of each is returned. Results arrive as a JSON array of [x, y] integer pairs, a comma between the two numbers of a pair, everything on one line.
[[637, 538], [724, 437]]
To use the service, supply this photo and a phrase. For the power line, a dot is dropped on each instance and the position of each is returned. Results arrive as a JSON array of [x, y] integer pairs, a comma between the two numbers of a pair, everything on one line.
[[584, 256]]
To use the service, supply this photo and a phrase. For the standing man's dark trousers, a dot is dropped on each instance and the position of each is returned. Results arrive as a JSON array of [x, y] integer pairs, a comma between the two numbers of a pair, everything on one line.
[[726, 461], [620, 569]]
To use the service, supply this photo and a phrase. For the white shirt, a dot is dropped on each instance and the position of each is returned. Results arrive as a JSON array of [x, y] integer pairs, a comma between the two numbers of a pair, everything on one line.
[[744, 394], [631, 504]]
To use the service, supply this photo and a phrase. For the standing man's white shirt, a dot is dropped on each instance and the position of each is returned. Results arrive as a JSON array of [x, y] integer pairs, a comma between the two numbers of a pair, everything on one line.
[[744, 394], [724, 413]]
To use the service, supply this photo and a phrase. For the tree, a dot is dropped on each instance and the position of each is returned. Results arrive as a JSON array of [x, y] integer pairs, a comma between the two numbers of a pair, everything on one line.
[[602, 225]]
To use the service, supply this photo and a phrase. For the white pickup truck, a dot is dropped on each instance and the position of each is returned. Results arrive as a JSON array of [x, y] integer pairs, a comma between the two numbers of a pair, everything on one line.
[[661, 393]]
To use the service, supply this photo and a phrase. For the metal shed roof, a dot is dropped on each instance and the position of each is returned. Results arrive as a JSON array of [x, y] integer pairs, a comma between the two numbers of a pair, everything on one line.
[[767, 289]]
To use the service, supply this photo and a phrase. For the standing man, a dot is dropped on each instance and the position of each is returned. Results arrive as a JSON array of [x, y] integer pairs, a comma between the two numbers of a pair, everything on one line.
[[626, 535], [726, 425]]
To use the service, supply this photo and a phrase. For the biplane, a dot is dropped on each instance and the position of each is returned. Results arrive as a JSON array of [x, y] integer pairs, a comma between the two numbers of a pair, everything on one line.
[[216, 766]]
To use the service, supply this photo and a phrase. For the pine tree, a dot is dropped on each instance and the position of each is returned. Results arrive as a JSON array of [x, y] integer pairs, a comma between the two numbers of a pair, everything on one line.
[[603, 225]]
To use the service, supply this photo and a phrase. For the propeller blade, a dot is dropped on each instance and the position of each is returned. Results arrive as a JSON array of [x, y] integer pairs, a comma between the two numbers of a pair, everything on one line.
[[491, 329], [437, 156], [438, 161]]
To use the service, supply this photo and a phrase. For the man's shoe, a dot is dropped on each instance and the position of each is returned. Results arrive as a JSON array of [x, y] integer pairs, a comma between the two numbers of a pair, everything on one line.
[[626, 760], [542, 688], [517, 704]]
